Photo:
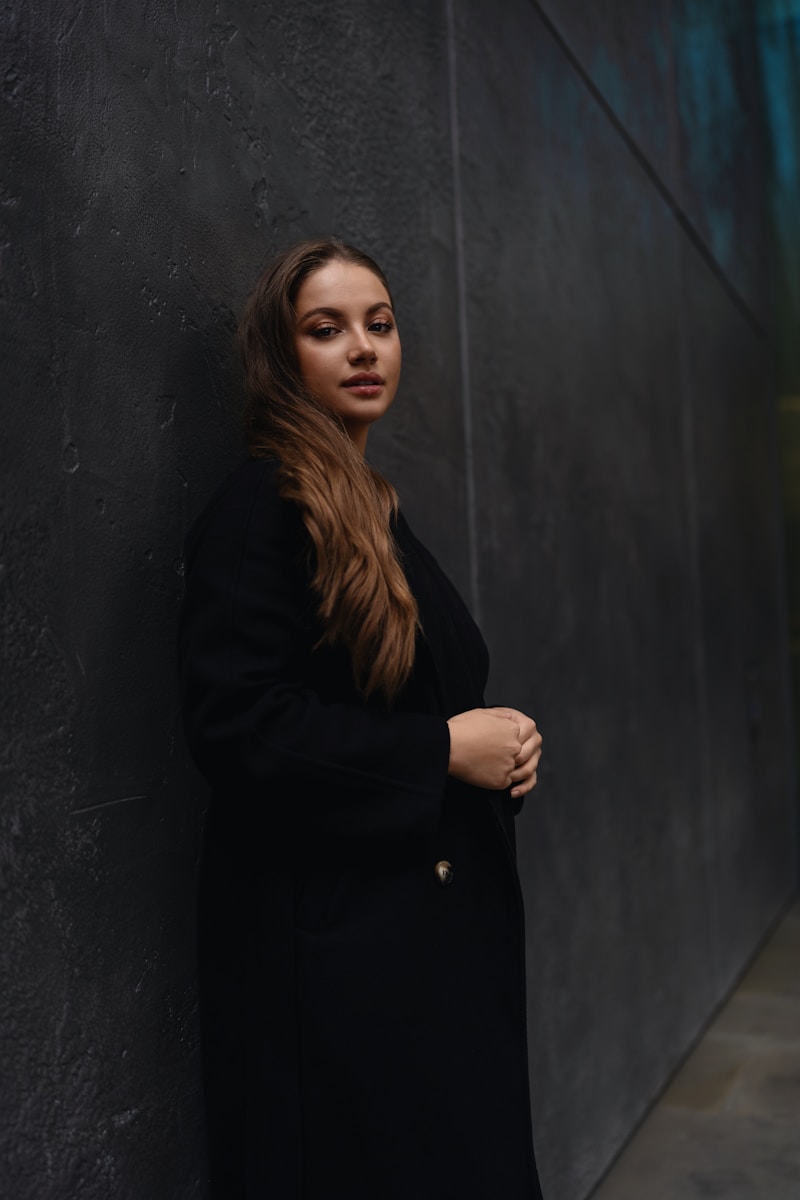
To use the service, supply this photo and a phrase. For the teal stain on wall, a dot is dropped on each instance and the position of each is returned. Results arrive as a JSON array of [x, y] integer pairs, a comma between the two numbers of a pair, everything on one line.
[[779, 53], [611, 80], [711, 46], [778, 44], [659, 49]]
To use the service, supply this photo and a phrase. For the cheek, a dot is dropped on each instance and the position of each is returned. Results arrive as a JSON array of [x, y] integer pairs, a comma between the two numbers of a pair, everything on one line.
[[393, 358], [311, 363]]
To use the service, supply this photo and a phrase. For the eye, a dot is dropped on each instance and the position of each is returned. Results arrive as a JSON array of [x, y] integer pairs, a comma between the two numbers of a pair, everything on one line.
[[382, 325], [323, 331]]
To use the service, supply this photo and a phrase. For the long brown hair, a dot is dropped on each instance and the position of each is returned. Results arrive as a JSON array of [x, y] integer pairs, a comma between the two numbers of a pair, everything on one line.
[[364, 601]]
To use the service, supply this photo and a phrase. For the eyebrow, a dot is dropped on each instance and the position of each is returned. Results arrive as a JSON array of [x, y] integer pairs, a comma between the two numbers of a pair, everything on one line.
[[337, 312]]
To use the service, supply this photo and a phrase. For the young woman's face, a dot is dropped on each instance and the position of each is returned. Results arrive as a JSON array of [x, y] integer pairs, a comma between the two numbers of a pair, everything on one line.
[[347, 345]]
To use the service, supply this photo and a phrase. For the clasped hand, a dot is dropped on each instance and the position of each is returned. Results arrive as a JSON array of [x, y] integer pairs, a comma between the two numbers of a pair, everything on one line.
[[495, 748]]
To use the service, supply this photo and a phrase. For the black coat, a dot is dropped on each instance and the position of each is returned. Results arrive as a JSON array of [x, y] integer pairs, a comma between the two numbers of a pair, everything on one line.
[[363, 1022]]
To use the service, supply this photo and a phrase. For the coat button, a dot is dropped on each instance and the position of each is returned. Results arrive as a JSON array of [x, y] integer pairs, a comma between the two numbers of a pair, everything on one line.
[[444, 872]]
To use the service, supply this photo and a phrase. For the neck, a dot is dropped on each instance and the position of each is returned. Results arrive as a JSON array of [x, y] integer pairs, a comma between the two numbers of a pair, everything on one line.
[[358, 436]]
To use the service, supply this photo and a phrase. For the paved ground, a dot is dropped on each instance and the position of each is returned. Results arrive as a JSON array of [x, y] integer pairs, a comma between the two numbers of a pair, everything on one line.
[[729, 1123]]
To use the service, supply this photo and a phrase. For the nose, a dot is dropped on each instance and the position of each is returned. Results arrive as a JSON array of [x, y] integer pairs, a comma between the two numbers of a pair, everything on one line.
[[361, 348]]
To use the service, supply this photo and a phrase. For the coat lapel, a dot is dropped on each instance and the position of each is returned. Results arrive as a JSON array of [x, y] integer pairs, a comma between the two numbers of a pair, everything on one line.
[[450, 638]]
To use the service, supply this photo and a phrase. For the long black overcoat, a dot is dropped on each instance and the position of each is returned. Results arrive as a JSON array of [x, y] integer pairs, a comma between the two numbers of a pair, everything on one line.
[[363, 1021]]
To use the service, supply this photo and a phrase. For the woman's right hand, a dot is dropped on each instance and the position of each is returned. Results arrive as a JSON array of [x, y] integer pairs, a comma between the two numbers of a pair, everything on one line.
[[484, 746]]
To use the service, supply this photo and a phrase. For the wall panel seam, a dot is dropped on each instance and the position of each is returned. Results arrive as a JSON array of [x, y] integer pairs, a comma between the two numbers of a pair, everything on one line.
[[461, 307]]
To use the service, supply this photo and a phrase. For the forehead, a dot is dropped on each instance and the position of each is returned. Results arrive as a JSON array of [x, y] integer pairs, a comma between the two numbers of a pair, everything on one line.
[[340, 285]]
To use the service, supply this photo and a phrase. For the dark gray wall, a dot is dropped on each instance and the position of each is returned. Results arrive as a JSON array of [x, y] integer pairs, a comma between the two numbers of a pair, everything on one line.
[[779, 57], [567, 199]]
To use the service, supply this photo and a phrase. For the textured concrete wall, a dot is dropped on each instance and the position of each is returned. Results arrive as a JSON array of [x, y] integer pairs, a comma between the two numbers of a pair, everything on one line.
[[583, 437], [779, 55]]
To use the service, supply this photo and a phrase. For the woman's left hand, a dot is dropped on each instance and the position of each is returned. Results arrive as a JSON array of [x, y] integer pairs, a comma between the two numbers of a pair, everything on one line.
[[523, 778]]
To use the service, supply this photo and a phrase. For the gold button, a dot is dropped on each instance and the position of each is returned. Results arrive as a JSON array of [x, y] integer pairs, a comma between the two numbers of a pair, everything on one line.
[[444, 872]]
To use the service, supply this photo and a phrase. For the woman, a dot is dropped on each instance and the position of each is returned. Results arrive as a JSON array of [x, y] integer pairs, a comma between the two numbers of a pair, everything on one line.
[[362, 975]]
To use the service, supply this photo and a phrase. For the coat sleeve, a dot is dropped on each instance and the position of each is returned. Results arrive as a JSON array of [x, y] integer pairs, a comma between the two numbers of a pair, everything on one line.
[[251, 713]]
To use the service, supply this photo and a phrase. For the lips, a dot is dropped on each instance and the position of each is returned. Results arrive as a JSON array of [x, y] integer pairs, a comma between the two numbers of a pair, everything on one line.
[[365, 383], [364, 379]]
